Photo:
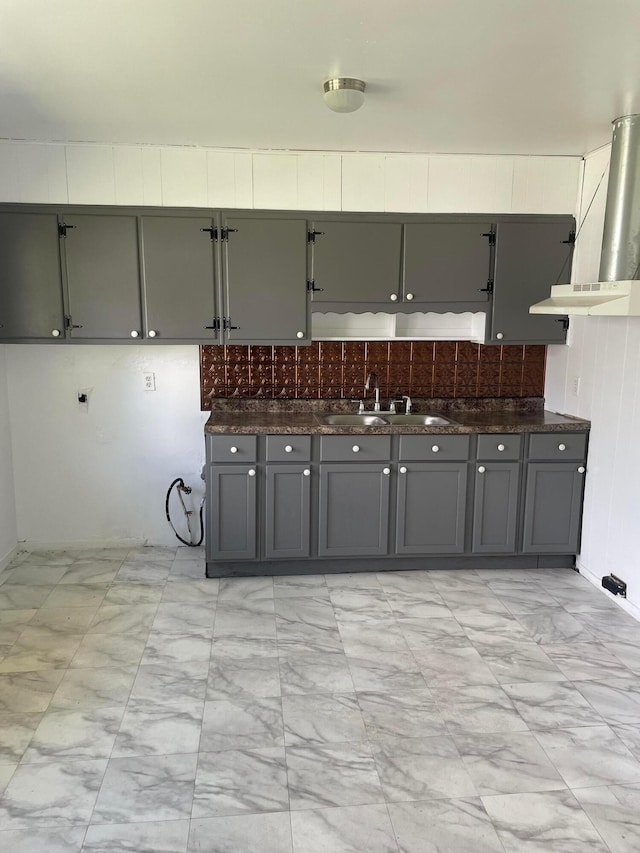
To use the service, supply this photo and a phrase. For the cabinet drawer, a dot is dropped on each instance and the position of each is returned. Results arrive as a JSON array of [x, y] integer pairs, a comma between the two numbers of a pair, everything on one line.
[[436, 447], [288, 448], [500, 447], [558, 445], [340, 448], [232, 448]]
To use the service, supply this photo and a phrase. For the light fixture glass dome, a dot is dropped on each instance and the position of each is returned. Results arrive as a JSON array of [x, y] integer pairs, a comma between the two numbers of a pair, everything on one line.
[[344, 94]]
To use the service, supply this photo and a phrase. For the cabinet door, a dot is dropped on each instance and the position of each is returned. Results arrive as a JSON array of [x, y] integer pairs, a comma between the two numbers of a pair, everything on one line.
[[30, 281], [231, 500], [431, 508], [287, 512], [446, 262], [495, 507], [179, 278], [265, 263], [553, 507], [103, 276], [354, 510], [357, 261], [530, 256]]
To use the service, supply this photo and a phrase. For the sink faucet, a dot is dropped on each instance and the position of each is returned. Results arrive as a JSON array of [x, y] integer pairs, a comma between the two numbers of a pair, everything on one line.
[[406, 400], [373, 378]]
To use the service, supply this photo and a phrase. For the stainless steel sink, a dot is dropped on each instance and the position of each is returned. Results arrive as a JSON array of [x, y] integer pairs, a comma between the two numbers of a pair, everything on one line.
[[382, 419], [417, 420], [352, 420]]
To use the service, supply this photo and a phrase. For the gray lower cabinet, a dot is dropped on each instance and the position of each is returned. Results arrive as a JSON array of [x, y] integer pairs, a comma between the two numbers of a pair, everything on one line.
[[495, 507], [232, 512], [179, 278], [431, 505], [287, 512], [31, 283], [354, 510], [553, 507], [103, 276]]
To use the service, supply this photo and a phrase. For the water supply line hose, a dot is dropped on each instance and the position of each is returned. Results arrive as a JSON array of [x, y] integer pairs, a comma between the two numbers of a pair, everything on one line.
[[179, 482]]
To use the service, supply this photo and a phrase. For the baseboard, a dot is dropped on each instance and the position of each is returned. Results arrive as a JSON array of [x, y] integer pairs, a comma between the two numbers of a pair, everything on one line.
[[77, 544], [623, 603], [4, 561]]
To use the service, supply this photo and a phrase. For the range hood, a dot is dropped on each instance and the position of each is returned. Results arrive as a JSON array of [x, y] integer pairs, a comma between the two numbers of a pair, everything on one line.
[[617, 294]]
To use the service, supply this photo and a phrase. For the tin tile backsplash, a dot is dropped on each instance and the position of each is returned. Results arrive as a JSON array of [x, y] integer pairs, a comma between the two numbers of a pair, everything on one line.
[[338, 369]]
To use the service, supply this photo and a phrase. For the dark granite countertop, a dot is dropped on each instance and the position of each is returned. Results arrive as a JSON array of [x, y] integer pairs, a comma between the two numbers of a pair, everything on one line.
[[290, 417]]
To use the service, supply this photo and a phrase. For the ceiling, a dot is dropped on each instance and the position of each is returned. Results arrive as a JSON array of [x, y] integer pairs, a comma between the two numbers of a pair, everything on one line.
[[446, 76]]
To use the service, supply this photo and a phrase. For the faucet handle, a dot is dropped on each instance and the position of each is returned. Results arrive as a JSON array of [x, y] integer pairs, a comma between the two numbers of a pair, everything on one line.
[[408, 403], [360, 405], [392, 406]]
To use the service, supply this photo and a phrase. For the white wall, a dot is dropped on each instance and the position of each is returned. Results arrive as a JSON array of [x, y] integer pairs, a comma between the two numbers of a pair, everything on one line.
[[604, 354], [102, 476], [8, 529]]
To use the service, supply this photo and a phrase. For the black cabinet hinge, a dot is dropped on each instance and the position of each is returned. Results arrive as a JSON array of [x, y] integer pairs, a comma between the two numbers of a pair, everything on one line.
[[224, 233], [213, 232], [311, 287], [68, 321], [565, 323], [215, 326], [226, 324], [311, 235], [492, 237], [571, 239], [62, 229], [488, 288]]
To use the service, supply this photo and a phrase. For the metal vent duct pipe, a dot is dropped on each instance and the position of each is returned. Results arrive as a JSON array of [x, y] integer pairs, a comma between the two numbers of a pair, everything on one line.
[[620, 258]]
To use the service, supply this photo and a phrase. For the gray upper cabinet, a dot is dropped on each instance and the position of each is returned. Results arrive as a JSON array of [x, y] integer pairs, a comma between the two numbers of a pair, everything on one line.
[[431, 508], [356, 261], [31, 282], [529, 258], [103, 276], [447, 262], [179, 278], [265, 280]]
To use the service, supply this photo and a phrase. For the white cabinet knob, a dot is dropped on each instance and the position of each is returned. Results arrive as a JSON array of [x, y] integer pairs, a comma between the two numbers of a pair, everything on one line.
[[393, 297], [581, 469], [481, 469], [299, 334], [356, 448], [409, 297], [134, 334], [499, 336], [152, 333], [386, 471], [562, 447], [233, 449], [252, 472], [307, 472], [403, 469], [55, 333], [435, 448], [288, 449], [500, 447]]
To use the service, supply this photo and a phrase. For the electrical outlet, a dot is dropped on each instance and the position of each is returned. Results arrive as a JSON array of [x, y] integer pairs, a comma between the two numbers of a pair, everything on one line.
[[149, 380], [575, 386]]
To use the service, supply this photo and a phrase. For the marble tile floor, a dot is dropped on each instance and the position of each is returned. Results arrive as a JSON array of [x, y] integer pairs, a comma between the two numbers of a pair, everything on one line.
[[145, 708]]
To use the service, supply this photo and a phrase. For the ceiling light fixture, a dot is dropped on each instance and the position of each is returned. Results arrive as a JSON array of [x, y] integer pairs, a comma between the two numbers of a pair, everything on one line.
[[344, 94]]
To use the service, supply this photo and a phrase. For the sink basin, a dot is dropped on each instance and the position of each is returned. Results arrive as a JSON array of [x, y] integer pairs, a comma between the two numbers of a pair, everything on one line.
[[417, 420], [352, 420], [382, 419]]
